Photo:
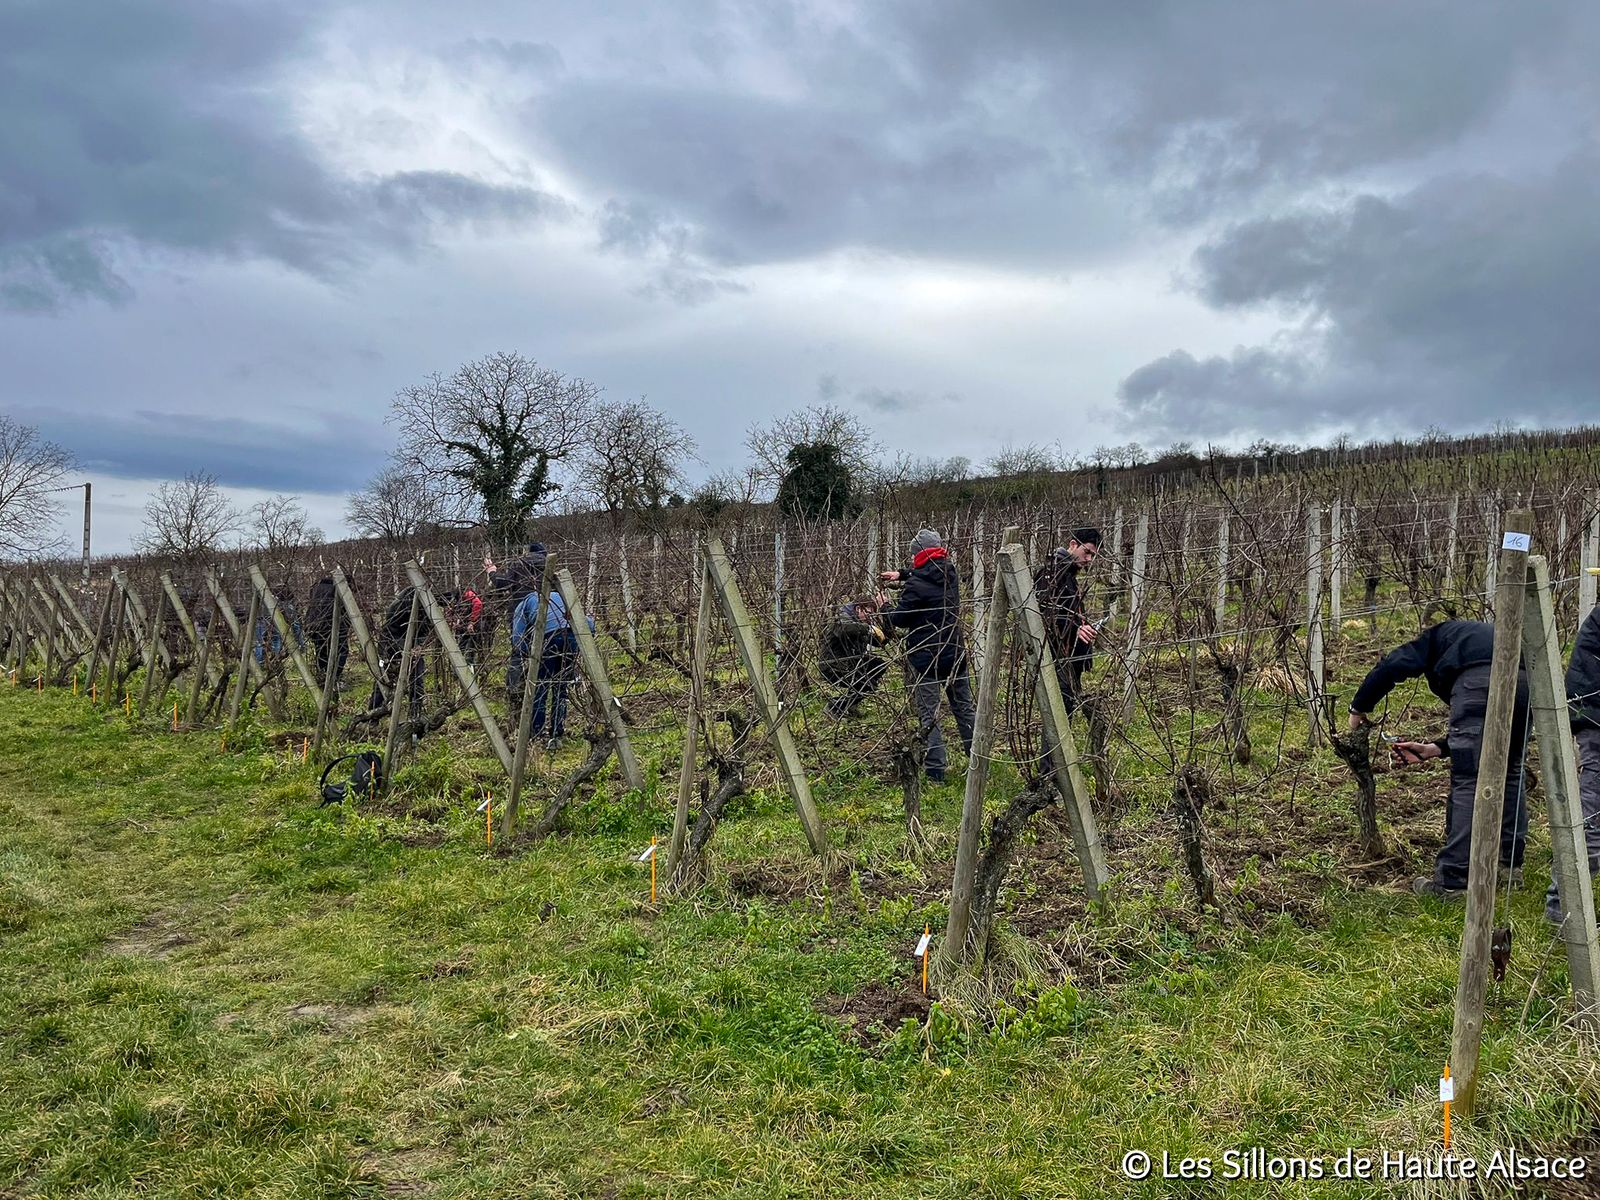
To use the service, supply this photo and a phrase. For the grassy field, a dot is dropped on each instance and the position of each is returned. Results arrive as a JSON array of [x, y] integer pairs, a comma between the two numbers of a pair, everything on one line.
[[211, 987]]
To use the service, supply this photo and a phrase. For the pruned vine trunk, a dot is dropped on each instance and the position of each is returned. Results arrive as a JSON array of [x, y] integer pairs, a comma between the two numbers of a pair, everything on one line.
[[1355, 749], [1190, 794], [600, 749], [1005, 831]]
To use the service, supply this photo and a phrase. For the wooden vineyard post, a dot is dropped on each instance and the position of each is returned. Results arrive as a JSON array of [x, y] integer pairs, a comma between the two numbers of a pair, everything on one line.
[[1547, 704], [1336, 564], [464, 673], [72, 609], [1221, 601], [247, 658], [530, 675], [959, 925], [1493, 756], [285, 630], [119, 615], [594, 568], [400, 697], [225, 607], [358, 627], [170, 590], [979, 599], [1588, 559], [198, 677], [99, 638], [1314, 656], [1141, 547], [777, 590], [1115, 585], [156, 640], [691, 730], [595, 668], [330, 676], [627, 594], [750, 654], [1059, 742], [1452, 540]]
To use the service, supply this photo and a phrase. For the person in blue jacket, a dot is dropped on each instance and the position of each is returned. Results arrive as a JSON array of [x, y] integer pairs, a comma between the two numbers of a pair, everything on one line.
[[558, 662]]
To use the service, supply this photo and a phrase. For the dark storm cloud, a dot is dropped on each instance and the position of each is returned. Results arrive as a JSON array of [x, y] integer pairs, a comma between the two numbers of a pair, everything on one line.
[[164, 125], [1466, 301], [321, 455]]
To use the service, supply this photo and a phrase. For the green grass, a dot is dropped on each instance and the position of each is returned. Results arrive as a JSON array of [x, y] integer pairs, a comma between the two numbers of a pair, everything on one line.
[[210, 987]]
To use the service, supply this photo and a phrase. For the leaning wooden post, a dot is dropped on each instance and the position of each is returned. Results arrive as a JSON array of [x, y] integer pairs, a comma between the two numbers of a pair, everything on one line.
[[225, 607], [119, 615], [202, 650], [72, 608], [1589, 560], [247, 647], [1493, 757], [400, 696], [465, 675], [530, 674], [1547, 704], [330, 678], [691, 730], [595, 668], [755, 667], [959, 924], [99, 636], [156, 640], [285, 630], [358, 627], [1314, 655], [185, 622], [1059, 743]]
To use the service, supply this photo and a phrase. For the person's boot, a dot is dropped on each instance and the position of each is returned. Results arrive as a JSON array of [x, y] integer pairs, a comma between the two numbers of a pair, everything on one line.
[[1425, 885]]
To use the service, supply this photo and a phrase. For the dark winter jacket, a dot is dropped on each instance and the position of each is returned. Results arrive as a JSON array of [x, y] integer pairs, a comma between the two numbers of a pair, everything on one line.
[[846, 641], [1061, 604], [319, 606], [392, 633], [930, 612], [521, 578], [1583, 675], [1441, 654]]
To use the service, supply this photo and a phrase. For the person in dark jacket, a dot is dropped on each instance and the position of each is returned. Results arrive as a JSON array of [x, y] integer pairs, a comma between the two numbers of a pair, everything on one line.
[[319, 628], [1061, 603], [391, 648], [849, 660], [1453, 657], [520, 579], [929, 612], [1583, 707]]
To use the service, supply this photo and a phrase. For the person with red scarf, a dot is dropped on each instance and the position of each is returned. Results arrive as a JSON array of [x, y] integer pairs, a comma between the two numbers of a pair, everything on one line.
[[930, 614]]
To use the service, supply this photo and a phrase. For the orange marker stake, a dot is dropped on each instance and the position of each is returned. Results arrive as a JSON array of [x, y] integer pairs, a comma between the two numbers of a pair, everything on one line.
[[174, 716], [127, 704], [488, 821], [922, 952], [1447, 1093], [94, 689], [305, 749], [39, 679], [652, 871]]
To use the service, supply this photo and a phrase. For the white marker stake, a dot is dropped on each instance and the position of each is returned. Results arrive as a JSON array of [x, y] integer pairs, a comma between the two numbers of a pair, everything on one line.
[[922, 952], [650, 852], [483, 805], [922, 946]]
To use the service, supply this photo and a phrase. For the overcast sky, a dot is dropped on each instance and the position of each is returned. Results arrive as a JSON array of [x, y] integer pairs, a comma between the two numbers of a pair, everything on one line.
[[229, 232]]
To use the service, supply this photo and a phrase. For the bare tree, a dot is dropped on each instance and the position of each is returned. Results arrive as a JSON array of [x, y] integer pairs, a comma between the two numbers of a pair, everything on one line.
[[633, 460], [1028, 459], [187, 518], [281, 523], [397, 503], [31, 471], [491, 433], [821, 424]]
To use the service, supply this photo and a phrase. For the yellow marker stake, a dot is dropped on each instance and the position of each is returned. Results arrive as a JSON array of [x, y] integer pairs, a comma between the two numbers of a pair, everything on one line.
[[1447, 1092], [927, 935], [305, 749], [39, 679], [488, 821], [127, 703], [174, 716], [94, 690], [652, 870]]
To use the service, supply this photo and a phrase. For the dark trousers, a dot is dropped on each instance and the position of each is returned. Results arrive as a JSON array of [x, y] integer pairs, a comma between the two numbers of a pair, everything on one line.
[[558, 667], [855, 682], [322, 644], [931, 684], [413, 692], [1468, 702], [1589, 797]]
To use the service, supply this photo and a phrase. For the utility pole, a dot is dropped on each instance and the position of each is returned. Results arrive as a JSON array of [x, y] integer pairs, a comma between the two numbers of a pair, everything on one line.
[[88, 489]]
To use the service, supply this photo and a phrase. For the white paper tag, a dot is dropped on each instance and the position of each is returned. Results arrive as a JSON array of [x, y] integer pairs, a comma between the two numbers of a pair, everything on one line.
[[922, 945], [1447, 1090], [1516, 541], [485, 803], [648, 854]]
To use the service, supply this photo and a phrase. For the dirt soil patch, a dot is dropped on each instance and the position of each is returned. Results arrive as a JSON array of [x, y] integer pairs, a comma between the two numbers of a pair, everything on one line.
[[872, 1015], [331, 1016], [156, 937]]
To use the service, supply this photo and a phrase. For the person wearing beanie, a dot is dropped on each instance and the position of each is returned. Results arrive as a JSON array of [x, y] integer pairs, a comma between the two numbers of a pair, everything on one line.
[[929, 612], [1068, 629], [521, 577]]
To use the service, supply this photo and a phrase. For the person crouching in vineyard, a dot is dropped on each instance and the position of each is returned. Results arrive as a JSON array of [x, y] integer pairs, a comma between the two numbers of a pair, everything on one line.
[[848, 660], [930, 613], [1453, 657], [1061, 603]]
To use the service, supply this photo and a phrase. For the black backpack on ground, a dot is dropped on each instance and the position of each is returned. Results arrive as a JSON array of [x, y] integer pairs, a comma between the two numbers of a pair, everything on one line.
[[365, 779]]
